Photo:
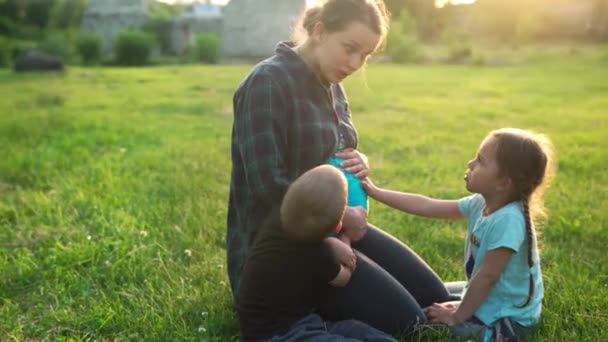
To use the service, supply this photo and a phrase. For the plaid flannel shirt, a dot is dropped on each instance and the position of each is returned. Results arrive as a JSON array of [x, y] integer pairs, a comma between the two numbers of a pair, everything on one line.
[[285, 123]]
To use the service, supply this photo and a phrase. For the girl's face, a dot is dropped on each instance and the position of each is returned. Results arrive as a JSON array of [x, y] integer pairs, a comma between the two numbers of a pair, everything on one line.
[[339, 54], [483, 175]]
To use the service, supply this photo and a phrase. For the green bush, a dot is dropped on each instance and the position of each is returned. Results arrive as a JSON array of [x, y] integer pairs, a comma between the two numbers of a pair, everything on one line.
[[459, 52], [207, 48], [402, 44], [59, 45], [7, 26], [5, 52], [19, 47], [133, 48], [89, 47], [160, 28], [458, 45]]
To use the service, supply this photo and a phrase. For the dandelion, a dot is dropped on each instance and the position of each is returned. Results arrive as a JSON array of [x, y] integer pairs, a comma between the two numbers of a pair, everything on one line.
[[188, 252], [202, 329]]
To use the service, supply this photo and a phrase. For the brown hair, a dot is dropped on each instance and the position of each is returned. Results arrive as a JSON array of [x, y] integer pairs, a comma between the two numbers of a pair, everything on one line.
[[336, 15], [314, 203], [526, 159]]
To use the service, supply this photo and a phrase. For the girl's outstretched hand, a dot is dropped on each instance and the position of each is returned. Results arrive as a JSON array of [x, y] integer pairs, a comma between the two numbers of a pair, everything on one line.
[[354, 162], [369, 186], [442, 313]]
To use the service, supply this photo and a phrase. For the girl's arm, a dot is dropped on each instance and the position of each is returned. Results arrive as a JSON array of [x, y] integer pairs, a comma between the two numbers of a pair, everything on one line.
[[414, 203], [478, 290]]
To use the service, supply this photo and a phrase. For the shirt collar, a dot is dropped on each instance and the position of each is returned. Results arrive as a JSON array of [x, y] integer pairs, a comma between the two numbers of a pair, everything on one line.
[[286, 50]]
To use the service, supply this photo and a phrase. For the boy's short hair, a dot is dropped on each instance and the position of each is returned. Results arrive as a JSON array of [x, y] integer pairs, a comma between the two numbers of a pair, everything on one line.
[[314, 203]]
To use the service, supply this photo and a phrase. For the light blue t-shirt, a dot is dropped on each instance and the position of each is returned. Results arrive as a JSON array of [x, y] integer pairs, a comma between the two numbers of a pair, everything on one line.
[[505, 227]]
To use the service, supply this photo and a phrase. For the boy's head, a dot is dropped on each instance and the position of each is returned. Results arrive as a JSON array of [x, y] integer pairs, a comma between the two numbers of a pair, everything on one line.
[[314, 203]]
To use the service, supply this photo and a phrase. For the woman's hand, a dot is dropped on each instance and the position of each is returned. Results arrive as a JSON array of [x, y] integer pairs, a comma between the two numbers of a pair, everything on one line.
[[354, 162], [444, 313], [354, 223]]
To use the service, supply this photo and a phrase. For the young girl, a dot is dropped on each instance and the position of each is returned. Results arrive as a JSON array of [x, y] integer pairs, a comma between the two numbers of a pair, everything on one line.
[[505, 288]]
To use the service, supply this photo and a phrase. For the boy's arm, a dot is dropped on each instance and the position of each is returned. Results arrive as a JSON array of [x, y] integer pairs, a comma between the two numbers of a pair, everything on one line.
[[414, 203], [344, 238], [343, 252], [342, 278]]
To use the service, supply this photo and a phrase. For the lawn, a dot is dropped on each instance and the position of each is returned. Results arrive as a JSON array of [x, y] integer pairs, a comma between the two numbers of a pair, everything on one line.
[[114, 184]]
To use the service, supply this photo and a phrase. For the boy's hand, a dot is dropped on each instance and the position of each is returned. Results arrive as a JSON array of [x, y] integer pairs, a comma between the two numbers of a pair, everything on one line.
[[343, 253]]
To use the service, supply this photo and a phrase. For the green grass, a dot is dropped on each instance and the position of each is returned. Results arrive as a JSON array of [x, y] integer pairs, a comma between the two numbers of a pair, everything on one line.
[[114, 183]]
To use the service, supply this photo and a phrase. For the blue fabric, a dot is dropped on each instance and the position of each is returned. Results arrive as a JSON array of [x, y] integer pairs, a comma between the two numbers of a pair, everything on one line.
[[505, 228], [313, 328], [356, 194]]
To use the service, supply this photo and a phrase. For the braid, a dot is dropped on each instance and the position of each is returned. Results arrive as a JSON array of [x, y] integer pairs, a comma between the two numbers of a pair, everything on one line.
[[530, 235]]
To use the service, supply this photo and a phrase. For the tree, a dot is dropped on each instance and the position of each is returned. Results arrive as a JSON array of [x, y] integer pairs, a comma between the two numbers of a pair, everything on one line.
[[395, 7], [37, 12]]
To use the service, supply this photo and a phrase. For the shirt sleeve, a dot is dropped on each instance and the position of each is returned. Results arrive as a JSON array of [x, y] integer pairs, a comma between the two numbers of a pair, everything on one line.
[[470, 204], [260, 129], [508, 231], [329, 267]]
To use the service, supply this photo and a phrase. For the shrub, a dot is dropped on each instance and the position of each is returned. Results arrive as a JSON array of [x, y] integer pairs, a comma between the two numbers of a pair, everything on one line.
[[133, 48], [460, 52], [5, 52], [160, 28], [89, 47], [58, 45], [7, 26], [459, 47], [207, 48], [402, 44], [19, 47]]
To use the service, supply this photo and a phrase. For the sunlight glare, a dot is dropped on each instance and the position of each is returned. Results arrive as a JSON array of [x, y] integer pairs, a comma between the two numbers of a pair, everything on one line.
[[442, 3]]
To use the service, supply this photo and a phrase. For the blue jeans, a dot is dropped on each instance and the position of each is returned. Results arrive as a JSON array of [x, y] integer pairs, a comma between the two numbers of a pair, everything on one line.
[[503, 330], [313, 328]]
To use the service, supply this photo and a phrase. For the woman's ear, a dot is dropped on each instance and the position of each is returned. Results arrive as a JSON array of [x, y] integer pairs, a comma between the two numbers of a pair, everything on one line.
[[318, 32]]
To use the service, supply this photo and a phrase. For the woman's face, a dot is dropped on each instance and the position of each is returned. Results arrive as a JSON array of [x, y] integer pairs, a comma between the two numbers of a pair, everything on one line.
[[339, 54]]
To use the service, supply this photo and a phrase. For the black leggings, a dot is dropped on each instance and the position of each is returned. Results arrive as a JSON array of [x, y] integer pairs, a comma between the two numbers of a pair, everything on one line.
[[388, 288]]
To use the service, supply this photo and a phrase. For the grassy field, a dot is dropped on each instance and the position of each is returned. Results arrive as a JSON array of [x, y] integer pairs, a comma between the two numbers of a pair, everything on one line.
[[114, 182]]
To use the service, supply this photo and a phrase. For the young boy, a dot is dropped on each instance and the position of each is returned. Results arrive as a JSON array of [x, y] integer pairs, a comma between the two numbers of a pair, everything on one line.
[[292, 261]]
